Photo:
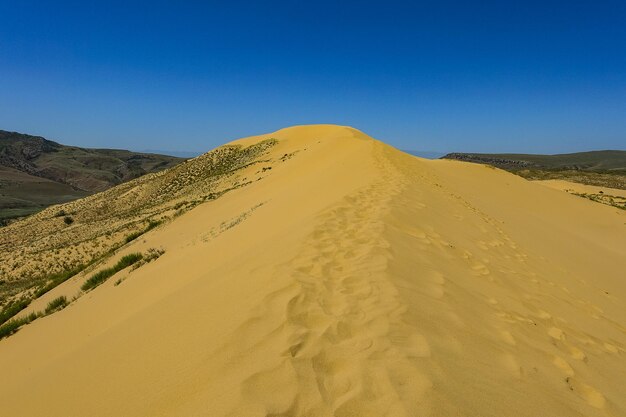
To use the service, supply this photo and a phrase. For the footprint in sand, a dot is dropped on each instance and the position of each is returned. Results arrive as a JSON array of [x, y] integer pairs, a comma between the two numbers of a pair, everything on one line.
[[511, 364], [508, 337], [588, 393], [577, 354], [556, 333], [480, 269], [562, 364], [544, 315]]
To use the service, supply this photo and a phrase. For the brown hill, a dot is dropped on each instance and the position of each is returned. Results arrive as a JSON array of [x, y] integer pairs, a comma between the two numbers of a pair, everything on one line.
[[36, 172]]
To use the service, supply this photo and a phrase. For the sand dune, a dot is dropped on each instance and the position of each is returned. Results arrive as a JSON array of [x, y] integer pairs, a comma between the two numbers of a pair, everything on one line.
[[352, 280], [574, 187]]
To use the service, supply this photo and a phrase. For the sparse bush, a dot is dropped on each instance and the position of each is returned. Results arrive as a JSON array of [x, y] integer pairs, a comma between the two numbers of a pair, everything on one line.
[[12, 309], [57, 304], [128, 260], [152, 224], [57, 279], [150, 255], [68, 220], [11, 327], [101, 276], [133, 236]]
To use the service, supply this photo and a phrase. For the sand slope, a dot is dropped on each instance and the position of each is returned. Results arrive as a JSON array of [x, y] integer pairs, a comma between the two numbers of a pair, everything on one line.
[[574, 187], [354, 280]]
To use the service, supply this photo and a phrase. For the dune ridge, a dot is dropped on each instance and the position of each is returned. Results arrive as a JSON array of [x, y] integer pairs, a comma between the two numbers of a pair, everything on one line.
[[351, 280]]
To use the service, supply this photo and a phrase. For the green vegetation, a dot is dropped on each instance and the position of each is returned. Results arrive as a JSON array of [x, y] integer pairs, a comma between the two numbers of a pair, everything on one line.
[[133, 236], [101, 276], [12, 309], [151, 225], [44, 244], [87, 170], [11, 327], [609, 200], [57, 279], [57, 304], [150, 255], [598, 168], [15, 307], [8, 325], [8, 215]]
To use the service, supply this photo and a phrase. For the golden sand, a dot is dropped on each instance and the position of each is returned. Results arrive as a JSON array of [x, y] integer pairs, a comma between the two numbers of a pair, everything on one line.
[[574, 187], [353, 280]]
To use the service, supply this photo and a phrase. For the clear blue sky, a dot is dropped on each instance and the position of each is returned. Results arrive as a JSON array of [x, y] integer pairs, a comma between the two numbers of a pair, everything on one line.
[[544, 76]]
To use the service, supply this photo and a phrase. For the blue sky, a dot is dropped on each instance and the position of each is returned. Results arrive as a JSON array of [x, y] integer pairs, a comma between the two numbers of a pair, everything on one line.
[[503, 76]]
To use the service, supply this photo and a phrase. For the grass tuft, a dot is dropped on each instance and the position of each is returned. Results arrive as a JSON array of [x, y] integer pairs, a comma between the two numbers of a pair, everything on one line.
[[133, 236], [12, 309], [10, 327], [152, 224], [57, 304], [101, 276], [57, 279]]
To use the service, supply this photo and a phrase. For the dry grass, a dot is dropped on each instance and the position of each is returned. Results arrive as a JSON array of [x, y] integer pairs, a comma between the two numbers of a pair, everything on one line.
[[33, 249]]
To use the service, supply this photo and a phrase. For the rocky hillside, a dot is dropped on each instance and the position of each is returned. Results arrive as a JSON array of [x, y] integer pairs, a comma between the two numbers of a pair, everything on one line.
[[36, 172]]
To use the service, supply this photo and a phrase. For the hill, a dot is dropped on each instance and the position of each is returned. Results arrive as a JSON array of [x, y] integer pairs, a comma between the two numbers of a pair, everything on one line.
[[315, 271], [36, 172], [601, 168]]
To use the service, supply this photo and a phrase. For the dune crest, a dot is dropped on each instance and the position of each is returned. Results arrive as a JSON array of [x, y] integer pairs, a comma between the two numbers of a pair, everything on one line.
[[349, 279]]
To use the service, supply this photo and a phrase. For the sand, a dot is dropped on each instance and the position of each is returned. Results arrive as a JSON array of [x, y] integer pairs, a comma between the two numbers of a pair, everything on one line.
[[353, 280], [574, 187]]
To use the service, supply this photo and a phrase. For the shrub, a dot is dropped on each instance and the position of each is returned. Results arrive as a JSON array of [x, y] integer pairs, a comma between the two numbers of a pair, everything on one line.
[[133, 236], [57, 304], [152, 224], [101, 276], [98, 278], [68, 220], [11, 327], [58, 279], [128, 260], [12, 309]]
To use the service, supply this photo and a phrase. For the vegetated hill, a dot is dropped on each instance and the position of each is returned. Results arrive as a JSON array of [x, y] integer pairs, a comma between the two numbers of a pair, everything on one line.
[[74, 235], [324, 273], [36, 172], [602, 168]]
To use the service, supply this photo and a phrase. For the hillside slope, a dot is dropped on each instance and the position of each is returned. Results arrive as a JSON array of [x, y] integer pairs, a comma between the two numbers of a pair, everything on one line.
[[595, 161], [51, 173], [346, 279], [600, 168]]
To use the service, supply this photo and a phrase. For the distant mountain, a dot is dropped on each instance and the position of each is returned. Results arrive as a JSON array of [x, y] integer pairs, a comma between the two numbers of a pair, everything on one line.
[[36, 172], [180, 154], [583, 161], [602, 168], [426, 154]]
